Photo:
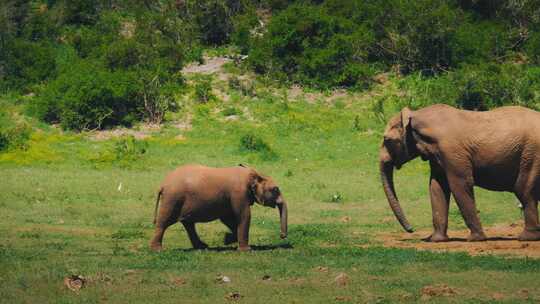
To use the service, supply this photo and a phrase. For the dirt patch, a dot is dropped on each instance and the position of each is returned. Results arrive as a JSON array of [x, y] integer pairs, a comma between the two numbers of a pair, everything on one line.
[[141, 132], [210, 66], [437, 291], [502, 240]]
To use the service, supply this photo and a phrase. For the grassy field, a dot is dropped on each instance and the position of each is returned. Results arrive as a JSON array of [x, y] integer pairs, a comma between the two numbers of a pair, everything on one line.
[[71, 204]]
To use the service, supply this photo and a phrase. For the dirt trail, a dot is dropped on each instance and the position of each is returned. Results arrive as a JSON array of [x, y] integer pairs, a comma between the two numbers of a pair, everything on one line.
[[502, 241], [211, 65]]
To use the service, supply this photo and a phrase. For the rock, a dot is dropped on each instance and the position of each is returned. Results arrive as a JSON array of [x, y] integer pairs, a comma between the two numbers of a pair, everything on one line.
[[223, 279], [178, 281], [233, 296], [346, 219], [321, 269], [74, 282], [342, 279]]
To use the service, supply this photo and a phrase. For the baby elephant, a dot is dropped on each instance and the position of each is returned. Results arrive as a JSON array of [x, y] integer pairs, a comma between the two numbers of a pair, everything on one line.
[[194, 193]]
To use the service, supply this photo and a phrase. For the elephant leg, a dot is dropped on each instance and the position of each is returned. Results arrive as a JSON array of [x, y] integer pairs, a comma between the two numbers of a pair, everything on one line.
[[464, 196], [244, 219], [232, 224], [193, 236], [531, 231], [440, 198], [157, 240], [167, 215]]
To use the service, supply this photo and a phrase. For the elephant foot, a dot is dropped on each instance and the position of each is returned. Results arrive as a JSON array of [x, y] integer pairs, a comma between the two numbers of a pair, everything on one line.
[[244, 248], [529, 235], [230, 238], [477, 237], [200, 245], [156, 247], [437, 238]]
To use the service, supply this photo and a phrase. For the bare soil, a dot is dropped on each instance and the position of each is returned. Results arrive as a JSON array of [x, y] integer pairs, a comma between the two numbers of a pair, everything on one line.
[[502, 240], [211, 65]]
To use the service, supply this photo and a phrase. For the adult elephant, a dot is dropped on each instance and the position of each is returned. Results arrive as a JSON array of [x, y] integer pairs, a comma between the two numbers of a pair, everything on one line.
[[497, 150]]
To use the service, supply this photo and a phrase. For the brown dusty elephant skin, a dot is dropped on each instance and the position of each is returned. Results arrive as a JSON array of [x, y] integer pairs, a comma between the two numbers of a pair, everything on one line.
[[194, 193], [497, 150]]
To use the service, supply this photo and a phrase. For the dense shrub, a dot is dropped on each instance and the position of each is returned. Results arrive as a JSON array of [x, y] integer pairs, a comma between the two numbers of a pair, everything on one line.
[[203, 89], [476, 87], [532, 47], [305, 44], [89, 97], [493, 85], [254, 143], [26, 63], [128, 148], [213, 19], [13, 134], [244, 27]]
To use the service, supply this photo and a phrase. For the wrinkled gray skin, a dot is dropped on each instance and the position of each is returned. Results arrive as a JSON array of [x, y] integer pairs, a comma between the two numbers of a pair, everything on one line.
[[193, 193], [497, 150]]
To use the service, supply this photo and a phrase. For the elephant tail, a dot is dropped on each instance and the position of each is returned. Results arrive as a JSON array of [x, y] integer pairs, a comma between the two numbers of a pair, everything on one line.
[[157, 204]]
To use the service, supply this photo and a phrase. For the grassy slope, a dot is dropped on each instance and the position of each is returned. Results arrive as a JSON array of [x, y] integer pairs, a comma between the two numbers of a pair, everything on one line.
[[62, 213]]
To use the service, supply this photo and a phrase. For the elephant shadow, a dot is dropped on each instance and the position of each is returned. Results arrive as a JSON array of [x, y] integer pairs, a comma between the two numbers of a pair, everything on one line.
[[286, 246], [464, 240]]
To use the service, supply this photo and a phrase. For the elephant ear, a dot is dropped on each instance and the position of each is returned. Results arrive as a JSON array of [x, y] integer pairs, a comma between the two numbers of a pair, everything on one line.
[[405, 118], [255, 187]]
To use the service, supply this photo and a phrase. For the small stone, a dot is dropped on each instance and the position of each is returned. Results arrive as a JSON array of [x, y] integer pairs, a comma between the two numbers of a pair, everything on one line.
[[74, 282], [497, 296], [321, 269], [342, 279], [178, 281], [233, 296], [223, 279]]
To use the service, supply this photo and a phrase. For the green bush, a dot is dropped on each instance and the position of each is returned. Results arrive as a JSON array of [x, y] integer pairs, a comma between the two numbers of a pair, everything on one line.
[[243, 26], [478, 42], [128, 148], [123, 54], [476, 87], [253, 143], [203, 89], [13, 134], [307, 45], [89, 97], [493, 85], [230, 111], [416, 34], [532, 47], [213, 19], [26, 63]]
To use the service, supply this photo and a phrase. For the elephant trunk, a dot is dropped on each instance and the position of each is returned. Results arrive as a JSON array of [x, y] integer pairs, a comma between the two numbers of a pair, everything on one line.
[[283, 219], [387, 173]]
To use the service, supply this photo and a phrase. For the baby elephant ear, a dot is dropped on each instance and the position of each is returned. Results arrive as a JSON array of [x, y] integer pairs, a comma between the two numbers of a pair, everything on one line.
[[405, 117], [254, 182]]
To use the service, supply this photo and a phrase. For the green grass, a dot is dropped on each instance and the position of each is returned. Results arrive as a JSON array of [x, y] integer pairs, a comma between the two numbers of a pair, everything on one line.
[[64, 213]]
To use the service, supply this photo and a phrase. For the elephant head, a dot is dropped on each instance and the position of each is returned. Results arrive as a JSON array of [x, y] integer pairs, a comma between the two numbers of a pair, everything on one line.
[[265, 192], [398, 147]]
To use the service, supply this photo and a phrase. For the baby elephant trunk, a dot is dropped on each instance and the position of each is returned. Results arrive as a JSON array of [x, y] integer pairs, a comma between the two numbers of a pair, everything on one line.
[[282, 206]]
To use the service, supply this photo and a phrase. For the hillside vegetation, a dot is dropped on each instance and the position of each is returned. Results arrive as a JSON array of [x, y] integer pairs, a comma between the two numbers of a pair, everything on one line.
[[100, 99]]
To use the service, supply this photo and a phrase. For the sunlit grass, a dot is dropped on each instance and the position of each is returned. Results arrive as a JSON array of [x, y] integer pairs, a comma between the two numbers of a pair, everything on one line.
[[72, 205]]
